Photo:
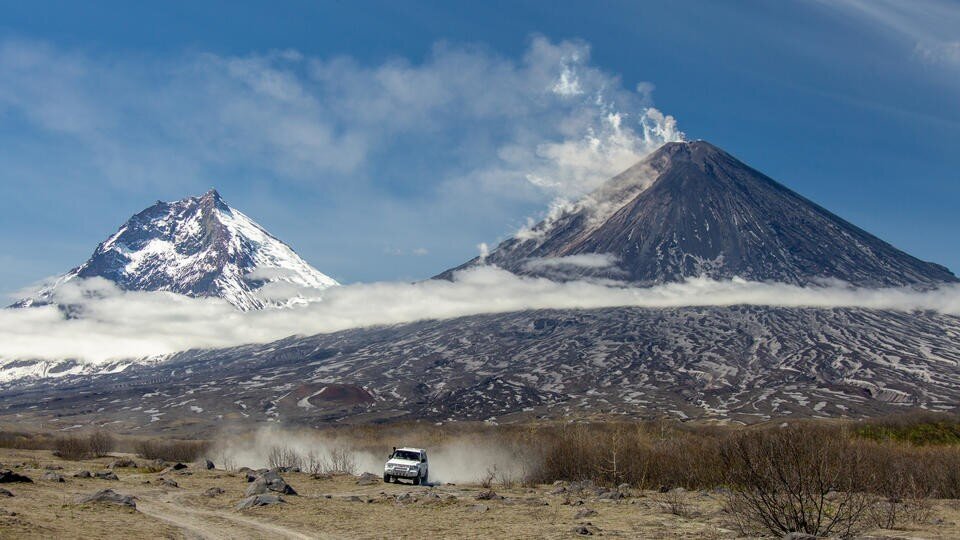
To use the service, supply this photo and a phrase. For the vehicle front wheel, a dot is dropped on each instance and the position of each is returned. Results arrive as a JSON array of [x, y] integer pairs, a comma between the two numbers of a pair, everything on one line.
[[416, 480], [425, 476], [386, 478]]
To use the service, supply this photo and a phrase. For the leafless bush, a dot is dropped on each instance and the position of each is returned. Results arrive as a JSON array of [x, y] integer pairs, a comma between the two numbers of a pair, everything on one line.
[[226, 459], [184, 451], [903, 492], [71, 447], [284, 457], [676, 501], [486, 481], [342, 460], [100, 443], [796, 479]]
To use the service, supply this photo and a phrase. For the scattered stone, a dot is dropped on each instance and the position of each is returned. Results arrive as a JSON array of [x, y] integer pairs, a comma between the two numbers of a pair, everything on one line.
[[269, 481], [353, 498], [368, 479], [664, 489], [53, 467], [582, 530], [321, 476], [584, 513], [175, 468], [122, 464], [405, 498], [5, 493], [83, 474], [106, 475], [107, 496], [7, 513], [559, 490], [488, 495], [213, 492], [9, 477], [479, 508], [623, 488], [259, 500], [169, 483], [206, 464], [51, 476], [611, 495]]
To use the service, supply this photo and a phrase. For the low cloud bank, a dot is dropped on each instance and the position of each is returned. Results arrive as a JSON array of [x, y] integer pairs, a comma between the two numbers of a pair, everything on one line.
[[106, 323]]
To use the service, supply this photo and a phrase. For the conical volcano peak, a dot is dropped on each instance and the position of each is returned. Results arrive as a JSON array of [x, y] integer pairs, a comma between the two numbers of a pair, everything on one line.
[[691, 210], [201, 247]]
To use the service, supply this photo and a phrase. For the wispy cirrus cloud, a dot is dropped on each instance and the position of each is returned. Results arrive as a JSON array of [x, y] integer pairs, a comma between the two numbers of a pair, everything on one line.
[[932, 26]]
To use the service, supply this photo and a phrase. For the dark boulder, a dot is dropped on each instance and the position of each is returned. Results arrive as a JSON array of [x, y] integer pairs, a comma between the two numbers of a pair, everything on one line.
[[9, 477], [269, 481]]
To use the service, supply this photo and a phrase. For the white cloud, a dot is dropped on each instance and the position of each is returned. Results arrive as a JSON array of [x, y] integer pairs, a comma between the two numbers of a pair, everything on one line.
[[112, 324], [319, 119], [586, 260]]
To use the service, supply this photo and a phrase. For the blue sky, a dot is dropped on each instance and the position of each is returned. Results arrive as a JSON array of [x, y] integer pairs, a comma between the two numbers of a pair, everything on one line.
[[385, 140]]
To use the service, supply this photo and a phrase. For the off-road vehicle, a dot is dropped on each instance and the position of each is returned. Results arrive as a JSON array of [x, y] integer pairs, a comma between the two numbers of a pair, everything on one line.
[[409, 463]]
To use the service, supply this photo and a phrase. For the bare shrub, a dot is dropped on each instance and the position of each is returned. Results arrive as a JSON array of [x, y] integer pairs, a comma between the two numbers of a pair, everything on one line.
[[676, 501], [486, 481], [100, 443], [342, 460], [284, 457], [71, 447], [226, 459], [902, 486], [796, 479], [184, 451]]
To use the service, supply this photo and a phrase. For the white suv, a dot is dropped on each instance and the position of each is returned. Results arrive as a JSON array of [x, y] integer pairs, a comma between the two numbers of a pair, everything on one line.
[[407, 463]]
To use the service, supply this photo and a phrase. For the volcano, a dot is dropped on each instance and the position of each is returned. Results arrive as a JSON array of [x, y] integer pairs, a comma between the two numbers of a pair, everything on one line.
[[199, 247], [692, 210]]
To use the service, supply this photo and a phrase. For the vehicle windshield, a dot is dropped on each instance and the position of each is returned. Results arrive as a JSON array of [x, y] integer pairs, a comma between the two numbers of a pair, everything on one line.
[[404, 454]]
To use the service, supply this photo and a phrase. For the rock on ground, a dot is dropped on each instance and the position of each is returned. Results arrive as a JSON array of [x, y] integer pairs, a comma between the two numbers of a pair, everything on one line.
[[368, 479], [122, 464], [107, 496], [169, 483], [269, 481], [205, 464], [259, 500], [52, 477], [5, 493], [488, 495], [213, 492], [585, 513], [9, 477], [106, 475], [83, 474]]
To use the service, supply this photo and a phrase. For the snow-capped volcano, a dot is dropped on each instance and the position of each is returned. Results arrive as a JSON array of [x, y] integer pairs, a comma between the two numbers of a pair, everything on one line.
[[691, 210], [200, 247]]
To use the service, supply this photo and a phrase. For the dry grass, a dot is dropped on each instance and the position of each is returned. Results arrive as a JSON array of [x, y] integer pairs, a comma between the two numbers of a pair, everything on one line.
[[336, 507]]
